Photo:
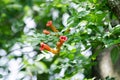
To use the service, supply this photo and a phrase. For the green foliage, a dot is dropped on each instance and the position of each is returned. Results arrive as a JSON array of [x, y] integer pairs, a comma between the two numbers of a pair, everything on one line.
[[87, 27], [115, 54], [109, 78]]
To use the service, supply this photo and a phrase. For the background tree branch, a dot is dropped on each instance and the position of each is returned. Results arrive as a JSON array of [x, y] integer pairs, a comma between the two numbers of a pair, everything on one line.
[[115, 7]]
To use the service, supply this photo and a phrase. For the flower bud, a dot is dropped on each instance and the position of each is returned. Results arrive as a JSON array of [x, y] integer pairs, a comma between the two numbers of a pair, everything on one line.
[[46, 32], [49, 23]]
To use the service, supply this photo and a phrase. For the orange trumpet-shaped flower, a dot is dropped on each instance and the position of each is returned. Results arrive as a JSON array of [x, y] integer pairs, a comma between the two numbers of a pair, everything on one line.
[[48, 48], [63, 39], [60, 43], [44, 46], [46, 32], [49, 24]]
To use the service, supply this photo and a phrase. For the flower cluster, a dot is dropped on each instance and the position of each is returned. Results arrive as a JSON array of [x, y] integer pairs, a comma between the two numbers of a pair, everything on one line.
[[62, 39]]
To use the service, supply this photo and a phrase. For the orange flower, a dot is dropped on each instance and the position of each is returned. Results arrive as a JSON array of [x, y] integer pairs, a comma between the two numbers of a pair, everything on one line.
[[44, 46], [46, 32], [63, 39], [49, 24], [60, 43]]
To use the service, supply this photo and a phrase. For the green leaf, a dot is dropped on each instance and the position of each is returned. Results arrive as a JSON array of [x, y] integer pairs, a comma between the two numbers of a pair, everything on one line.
[[110, 27], [95, 1], [40, 56], [41, 67], [83, 13], [114, 54], [116, 30]]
